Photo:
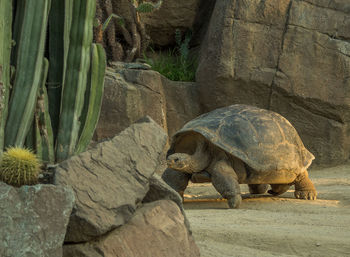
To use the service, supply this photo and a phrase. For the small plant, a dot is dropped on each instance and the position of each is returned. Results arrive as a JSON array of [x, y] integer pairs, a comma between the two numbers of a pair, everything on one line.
[[176, 64], [19, 166]]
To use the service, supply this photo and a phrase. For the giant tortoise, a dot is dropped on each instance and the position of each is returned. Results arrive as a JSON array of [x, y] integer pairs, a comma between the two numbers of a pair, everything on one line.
[[240, 144]]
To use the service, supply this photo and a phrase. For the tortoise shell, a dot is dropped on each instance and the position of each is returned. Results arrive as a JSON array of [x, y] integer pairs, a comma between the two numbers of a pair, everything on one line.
[[263, 139]]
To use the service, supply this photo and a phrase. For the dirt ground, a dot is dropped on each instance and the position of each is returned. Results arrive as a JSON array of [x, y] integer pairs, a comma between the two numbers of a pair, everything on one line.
[[274, 226]]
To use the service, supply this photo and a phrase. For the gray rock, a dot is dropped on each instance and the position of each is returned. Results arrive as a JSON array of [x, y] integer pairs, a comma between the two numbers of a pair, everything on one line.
[[131, 94], [159, 190], [156, 230], [288, 56], [33, 220], [111, 179]]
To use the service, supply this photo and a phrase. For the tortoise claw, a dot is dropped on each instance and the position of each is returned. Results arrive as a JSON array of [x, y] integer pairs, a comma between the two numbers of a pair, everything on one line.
[[307, 195]]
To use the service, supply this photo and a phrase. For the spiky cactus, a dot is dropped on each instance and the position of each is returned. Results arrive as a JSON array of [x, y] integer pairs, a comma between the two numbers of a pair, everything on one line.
[[19, 166]]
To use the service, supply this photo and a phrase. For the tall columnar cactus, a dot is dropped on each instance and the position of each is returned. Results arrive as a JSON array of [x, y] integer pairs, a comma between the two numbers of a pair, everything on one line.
[[57, 115], [5, 53], [75, 80], [42, 132], [93, 97], [30, 33]]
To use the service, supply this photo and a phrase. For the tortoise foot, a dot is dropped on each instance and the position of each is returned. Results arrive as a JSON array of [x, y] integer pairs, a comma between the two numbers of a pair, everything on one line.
[[305, 194], [234, 202]]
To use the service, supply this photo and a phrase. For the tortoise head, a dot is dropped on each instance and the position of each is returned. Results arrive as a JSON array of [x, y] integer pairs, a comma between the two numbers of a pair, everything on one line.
[[189, 163], [181, 162]]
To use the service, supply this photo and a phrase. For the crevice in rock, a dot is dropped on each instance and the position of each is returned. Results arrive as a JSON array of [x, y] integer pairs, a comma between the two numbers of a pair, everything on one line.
[[259, 23], [281, 49], [333, 37], [300, 102], [324, 7]]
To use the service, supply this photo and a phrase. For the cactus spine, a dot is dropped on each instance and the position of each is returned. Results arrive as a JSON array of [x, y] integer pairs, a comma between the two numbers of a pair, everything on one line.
[[19, 167]]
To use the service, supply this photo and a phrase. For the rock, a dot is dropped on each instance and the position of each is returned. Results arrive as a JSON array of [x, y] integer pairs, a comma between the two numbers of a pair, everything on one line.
[[33, 219], [111, 179], [159, 190], [292, 57], [182, 103], [131, 94], [124, 102], [157, 229], [172, 15]]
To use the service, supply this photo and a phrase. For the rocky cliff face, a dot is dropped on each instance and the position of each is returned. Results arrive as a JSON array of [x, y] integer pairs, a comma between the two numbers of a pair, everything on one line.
[[292, 57]]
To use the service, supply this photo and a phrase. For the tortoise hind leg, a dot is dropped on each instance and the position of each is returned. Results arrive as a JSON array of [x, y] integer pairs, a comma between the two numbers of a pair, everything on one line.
[[177, 180], [258, 188], [304, 188], [278, 189]]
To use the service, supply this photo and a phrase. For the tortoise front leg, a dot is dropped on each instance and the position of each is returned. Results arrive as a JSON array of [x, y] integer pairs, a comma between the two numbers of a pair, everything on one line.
[[177, 180], [225, 181], [304, 188]]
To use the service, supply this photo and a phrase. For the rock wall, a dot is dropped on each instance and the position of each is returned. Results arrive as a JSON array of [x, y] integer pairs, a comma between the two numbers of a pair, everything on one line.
[[289, 56], [133, 93]]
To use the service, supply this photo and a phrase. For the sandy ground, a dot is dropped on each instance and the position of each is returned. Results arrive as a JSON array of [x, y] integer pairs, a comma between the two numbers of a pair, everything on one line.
[[274, 226]]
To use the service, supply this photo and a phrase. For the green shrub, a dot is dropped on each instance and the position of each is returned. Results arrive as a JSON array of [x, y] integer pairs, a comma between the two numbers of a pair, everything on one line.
[[175, 64]]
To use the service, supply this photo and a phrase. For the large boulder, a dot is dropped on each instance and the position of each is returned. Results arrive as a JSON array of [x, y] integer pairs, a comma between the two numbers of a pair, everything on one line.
[[111, 179], [132, 92], [292, 57], [33, 219], [157, 229]]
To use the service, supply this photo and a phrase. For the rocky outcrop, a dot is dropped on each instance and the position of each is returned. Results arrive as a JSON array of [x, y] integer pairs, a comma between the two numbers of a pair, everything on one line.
[[156, 230], [111, 179], [289, 56], [132, 92], [122, 207], [33, 219]]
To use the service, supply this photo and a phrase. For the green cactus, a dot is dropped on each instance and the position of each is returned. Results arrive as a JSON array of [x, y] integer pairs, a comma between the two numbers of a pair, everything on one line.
[[93, 97], [75, 80], [53, 110], [42, 122], [30, 46], [19, 166], [5, 52]]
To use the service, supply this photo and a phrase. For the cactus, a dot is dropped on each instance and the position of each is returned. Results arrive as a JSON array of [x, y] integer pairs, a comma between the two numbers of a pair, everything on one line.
[[74, 86], [42, 122], [30, 46], [60, 21], [58, 114], [19, 166], [93, 97], [5, 52]]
